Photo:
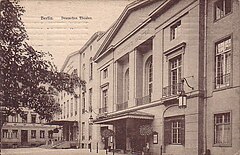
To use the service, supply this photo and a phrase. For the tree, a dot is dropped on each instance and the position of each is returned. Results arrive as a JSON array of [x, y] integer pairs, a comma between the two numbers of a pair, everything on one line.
[[28, 78]]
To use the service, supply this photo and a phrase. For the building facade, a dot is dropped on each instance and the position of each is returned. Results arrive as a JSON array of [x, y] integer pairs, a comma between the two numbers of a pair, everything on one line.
[[164, 78], [28, 130]]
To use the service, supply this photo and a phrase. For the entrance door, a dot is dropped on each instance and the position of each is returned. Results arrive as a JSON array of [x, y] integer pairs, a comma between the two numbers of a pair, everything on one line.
[[24, 137]]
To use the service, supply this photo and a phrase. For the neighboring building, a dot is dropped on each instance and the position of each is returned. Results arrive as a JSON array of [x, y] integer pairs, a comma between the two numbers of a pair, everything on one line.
[[222, 65], [28, 130], [76, 109], [164, 77]]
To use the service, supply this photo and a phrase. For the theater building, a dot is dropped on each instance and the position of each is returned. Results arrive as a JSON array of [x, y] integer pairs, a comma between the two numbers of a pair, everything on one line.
[[169, 78], [163, 79]]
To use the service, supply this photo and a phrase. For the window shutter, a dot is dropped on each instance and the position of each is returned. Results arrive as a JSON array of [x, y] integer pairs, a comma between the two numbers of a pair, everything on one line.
[[183, 131], [167, 132]]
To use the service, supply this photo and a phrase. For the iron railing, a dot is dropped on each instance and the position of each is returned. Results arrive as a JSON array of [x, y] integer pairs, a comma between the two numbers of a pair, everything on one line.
[[122, 106], [143, 100], [102, 110], [222, 80], [172, 89]]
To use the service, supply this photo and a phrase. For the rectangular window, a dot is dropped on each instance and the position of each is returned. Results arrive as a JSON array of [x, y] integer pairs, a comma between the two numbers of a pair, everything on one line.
[[15, 118], [90, 99], [33, 133], [33, 118], [175, 30], [15, 134], [5, 133], [24, 118], [83, 130], [104, 101], [223, 63], [64, 110], [76, 105], [90, 131], [83, 103], [105, 73], [67, 108], [222, 8], [50, 134], [42, 134], [71, 107], [175, 74], [174, 130], [222, 129], [91, 70]]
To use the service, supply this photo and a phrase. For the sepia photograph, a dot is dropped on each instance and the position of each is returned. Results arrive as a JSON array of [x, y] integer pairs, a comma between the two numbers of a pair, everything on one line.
[[119, 77]]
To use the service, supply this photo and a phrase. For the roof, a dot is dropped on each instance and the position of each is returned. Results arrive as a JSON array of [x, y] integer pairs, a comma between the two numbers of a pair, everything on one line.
[[93, 37], [109, 119], [105, 48], [119, 22]]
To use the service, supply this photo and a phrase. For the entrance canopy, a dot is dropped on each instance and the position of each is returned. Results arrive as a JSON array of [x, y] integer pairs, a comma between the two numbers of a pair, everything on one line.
[[61, 122], [111, 118]]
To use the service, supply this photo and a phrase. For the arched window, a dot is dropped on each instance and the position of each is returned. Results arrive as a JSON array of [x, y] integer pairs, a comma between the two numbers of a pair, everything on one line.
[[126, 85], [148, 77]]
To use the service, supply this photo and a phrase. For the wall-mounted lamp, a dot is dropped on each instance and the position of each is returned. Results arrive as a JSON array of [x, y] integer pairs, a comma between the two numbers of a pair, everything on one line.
[[182, 97]]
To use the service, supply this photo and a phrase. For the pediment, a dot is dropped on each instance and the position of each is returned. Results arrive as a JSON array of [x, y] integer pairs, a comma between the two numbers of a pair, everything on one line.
[[133, 15]]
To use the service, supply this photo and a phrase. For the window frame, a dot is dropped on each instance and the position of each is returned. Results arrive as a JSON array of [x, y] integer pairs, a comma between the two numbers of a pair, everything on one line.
[[33, 134], [224, 10], [5, 133], [90, 97], [224, 85], [15, 134], [149, 76], [126, 85], [42, 134], [91, 69], [172, 69], [228, 144], [168, 127], [175, 30], [76, 105], [105, 73], [83, 102], [35, 118]]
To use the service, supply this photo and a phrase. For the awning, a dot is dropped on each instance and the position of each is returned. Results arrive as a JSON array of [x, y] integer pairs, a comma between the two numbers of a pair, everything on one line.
[[111, 118], [61, 122]]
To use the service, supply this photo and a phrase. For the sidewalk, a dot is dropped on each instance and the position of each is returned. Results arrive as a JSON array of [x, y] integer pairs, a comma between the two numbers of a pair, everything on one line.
[[42, 151]]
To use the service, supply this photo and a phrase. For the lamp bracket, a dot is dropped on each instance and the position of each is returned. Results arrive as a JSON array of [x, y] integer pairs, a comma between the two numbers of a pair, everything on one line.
[[184, 79]]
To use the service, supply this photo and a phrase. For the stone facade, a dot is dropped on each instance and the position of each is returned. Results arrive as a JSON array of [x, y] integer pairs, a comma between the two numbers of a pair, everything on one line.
[[154, 54]]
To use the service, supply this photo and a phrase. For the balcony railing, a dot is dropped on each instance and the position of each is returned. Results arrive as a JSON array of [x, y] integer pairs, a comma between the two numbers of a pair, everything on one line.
[[222, 80], [172, 89], [102, 110], [143, 100], [122, 106]]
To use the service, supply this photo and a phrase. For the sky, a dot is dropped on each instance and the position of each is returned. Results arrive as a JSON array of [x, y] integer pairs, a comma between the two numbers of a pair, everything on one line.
[[62, 27]]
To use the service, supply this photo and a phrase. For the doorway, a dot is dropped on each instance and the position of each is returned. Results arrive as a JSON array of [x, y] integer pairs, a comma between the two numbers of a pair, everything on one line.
[[24, 137]]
